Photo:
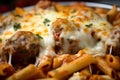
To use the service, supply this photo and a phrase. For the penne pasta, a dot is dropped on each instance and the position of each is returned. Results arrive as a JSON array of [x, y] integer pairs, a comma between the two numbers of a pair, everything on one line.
[[113, 61], [6, 69], [72, 67], [63, 59], [112, 13], [58, 60], [46, 63], [30, 72], [52, 41], [104, 67]]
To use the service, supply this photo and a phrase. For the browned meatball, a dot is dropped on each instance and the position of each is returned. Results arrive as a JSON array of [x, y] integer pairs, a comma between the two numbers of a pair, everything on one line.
[[60, 43], [24, 47], [57, 30]]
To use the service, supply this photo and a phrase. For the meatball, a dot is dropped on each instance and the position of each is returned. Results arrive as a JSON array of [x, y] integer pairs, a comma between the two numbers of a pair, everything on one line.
[[24, 46], [57, 29], [61, 43]]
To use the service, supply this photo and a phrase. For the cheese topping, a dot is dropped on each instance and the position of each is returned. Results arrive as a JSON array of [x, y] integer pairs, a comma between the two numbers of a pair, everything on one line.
[[84, 26]]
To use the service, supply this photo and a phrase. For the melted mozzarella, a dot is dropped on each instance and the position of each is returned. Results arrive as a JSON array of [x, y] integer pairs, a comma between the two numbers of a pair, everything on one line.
[[34, 23], [87, 21], [82, 33]]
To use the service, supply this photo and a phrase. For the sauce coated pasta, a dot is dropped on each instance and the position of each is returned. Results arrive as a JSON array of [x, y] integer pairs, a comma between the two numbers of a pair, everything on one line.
[[52, 41]]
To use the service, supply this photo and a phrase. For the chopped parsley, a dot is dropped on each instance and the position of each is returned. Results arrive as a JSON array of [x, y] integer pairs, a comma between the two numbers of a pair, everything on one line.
[[89, 25], [73, 16], [17, 26], [48, 24], [39, 36], [73, 11], [0, 40], [46, 21], [18, 16], [69, 40], [37, 14], [55, 8]]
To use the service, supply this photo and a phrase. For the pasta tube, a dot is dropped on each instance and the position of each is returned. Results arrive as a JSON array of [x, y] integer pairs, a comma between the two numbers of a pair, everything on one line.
[[72, 67], [63, 59], [103, 66], [112, 13], [113, 62], [6, 69], [30, 72], [45, 63], [58, 60]]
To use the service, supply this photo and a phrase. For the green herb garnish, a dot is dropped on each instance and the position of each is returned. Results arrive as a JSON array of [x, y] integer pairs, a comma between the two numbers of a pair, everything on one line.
[[69, 40], [39, 36], [48, 24], [0, 40], [37, 14], [46, 21], [18, 16], [55, 8], [89, 25], [73, 16], [17, 26], [73, 11]]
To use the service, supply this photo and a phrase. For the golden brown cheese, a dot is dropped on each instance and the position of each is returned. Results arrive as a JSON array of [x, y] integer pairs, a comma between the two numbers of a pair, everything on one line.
[[80, 23]]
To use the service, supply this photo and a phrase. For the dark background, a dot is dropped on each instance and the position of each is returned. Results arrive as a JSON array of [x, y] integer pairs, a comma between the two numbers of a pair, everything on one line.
[[7, 5]]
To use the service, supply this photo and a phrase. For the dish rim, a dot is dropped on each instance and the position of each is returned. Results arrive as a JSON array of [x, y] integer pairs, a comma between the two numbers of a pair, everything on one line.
[[89, 4]]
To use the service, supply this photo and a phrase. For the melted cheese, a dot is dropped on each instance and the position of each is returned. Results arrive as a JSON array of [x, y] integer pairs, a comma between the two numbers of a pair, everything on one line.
[[34, 23], [81, 25]]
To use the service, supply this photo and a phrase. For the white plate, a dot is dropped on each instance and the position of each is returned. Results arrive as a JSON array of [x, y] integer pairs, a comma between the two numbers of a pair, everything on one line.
[[91, 4]]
